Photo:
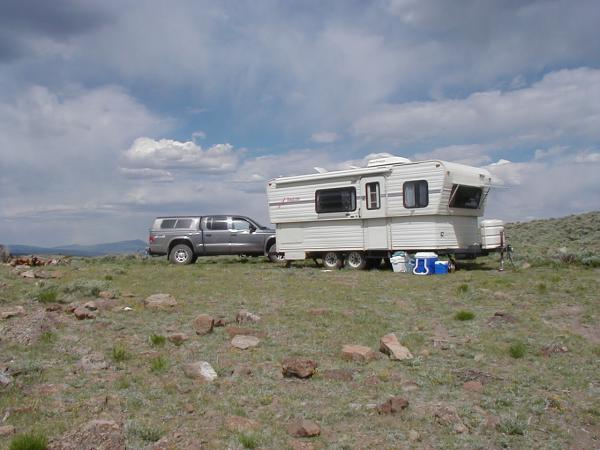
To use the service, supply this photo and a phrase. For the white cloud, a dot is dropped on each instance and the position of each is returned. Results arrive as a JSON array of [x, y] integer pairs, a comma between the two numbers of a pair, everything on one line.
[[563, 105], [147, 174], [473, 155], [324, 137], [170, 154]]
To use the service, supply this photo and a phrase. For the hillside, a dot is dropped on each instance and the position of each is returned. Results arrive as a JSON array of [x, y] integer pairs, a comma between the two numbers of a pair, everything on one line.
[[111, 248], [574, 238]]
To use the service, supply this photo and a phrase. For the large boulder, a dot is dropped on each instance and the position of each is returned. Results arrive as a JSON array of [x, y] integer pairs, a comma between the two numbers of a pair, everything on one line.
[[358, 353], [390, 345], [200, 370], [163, 302], [204, 323], [298, 367]]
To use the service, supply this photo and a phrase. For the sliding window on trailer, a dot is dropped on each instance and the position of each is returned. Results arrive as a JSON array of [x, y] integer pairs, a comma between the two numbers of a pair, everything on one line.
[[335, 200], [468, 197]]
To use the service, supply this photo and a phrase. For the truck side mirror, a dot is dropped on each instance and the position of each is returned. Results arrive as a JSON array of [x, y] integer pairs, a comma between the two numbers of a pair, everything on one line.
[[252, 228]]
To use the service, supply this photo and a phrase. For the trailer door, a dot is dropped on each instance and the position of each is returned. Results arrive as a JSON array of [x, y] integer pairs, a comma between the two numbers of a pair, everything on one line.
[[373, 211]]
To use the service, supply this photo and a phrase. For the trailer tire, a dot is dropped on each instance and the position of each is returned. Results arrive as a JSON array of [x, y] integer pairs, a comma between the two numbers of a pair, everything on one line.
[[356, 260], [332, 260], [181, 254], [275, 257]]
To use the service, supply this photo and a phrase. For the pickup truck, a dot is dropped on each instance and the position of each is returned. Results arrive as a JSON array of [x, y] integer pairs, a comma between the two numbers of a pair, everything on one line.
[[184, 238]]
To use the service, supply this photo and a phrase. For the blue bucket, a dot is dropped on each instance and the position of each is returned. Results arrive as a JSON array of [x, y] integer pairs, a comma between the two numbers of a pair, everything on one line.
[[425, 263]]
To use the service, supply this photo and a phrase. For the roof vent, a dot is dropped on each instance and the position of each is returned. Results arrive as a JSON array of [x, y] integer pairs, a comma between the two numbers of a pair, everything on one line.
[[387, 160]]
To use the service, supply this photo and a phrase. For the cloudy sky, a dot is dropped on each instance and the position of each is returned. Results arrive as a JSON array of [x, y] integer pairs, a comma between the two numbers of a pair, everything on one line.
[[115, 111]]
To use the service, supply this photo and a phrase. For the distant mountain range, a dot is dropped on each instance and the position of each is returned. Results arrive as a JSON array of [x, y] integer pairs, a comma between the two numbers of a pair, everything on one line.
[[111, 248]]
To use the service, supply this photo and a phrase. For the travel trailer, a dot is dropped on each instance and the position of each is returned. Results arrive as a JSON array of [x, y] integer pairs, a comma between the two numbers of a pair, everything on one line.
[[349, 217]]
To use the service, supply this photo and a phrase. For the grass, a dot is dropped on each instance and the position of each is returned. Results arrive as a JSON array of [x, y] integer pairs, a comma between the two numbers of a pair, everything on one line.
[[47, 295], [517, 349], [119, 353], [538, 399], [29, 441], [464, 315]]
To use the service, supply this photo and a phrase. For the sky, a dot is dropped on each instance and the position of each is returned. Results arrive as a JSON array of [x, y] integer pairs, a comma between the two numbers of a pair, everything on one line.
[[113, 112]]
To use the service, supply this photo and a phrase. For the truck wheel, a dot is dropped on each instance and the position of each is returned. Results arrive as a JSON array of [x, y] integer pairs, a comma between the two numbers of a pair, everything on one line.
[[356, 260], [273, 256], [332, 260], [181, 254]]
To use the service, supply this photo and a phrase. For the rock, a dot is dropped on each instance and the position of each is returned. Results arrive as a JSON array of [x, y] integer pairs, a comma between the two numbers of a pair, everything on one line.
[[319, 311], [244, 316], [5, 378], [473, 386], [244, 342], [177, 338], [298, 367], [54, 307], [390, 345], [243, 371], [107, 295], [96, 434], [163, 302], [297, 444], [447, 415], [414, 436], [189, 408], [303, 428], [28, 274], [91, 306], [238, 424], [93, 361], [393, 405], [491, 421], [551, 349], [203, 324], [7, 313], [7, 430], [234, 331], [501, 318], [337, 374], [81, 312], [221, 321], [410, 386], [358, 353], [200, 370]]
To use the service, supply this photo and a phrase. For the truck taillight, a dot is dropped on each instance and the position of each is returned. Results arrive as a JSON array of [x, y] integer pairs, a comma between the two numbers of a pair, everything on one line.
[[151, 238]]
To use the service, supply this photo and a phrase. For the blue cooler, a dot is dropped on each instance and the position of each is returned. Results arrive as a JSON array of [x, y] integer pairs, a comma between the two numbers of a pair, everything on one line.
[[425, 263], [441, 267]]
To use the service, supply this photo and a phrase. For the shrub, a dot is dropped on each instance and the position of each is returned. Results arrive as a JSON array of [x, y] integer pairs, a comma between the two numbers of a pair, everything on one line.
[[119, 353], [462, 288], [145, 433], [517, 349], [248, 440], [29, 441], [512, 426], [47, 295], [464, 315], [158, 364], [157, 340]]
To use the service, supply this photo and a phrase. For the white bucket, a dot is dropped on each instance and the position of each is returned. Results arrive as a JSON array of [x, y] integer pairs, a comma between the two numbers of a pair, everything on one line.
[[398, 263]]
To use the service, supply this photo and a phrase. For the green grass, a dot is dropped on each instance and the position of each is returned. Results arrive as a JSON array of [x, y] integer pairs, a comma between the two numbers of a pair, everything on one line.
[[157, 340], [464, 315], [159, 364], [47, 295], [119, 353], [29, 441], [248, 440], [517, 349], [145, 433]]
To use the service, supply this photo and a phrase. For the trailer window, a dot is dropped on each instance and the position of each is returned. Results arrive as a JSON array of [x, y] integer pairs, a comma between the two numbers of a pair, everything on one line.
[[335, 200], [416, 194], [467, 197], [373, 198]]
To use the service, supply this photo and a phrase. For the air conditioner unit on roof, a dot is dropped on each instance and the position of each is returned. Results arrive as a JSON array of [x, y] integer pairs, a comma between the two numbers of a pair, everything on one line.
[[387, 160]]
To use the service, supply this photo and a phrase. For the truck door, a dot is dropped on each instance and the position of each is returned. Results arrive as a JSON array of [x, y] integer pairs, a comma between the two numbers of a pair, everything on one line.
[[216, 235], [373, 211], [243, 238]]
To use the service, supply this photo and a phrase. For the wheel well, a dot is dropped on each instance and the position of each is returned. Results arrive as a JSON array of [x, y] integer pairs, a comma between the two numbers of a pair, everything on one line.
[[270, 242], [175, 242]]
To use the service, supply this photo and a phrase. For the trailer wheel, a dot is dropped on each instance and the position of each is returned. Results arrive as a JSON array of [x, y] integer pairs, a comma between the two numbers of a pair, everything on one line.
[[181, 254], [356, 260], [275, 257], [332, 260]]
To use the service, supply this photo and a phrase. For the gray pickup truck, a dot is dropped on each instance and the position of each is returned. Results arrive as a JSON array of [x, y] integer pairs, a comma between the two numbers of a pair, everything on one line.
[[184, 238]]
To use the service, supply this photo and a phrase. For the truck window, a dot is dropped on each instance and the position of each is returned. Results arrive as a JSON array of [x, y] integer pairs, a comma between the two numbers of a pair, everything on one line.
[[240, 225], [373, 199], [335, 200], [416, 194], [467, 197], [167, 223], [216, 223], [184, 223]]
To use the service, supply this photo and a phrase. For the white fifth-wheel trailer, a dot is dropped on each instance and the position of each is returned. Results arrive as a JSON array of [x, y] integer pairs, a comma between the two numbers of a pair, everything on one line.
[[349, 217]]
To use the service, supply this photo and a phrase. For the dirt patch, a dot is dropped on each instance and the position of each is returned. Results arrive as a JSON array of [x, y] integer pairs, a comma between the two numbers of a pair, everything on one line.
[[28, 328], [569, 318]]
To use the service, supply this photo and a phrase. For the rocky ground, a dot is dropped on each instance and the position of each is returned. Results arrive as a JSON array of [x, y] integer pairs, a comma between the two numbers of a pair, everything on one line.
[[111, 353]]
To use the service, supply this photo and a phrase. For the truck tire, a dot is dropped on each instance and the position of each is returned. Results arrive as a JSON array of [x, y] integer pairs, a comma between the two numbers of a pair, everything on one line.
[[273, 256], [356, 260], [181, 254], [332, 260]]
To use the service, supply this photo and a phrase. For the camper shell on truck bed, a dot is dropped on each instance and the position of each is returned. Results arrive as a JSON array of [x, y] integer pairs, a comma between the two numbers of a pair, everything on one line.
[[392, 204]]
